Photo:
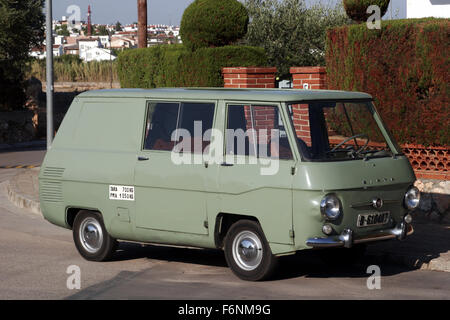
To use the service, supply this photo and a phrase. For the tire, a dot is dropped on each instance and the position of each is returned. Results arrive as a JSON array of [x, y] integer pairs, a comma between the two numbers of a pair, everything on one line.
[[101, 246], [256, 265], [343, 256]]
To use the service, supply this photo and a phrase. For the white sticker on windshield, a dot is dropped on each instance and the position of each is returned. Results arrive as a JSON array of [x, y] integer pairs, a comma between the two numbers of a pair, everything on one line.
[[121, 193]]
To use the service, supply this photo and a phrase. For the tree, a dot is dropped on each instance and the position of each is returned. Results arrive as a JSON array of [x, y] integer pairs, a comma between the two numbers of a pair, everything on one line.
[[102, 31], [118, 26], [292, 33], [63, 31], [21, 29], [357, 9], [213, 23]]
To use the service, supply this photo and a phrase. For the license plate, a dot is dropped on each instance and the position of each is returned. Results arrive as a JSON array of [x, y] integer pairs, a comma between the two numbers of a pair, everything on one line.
[[373, 219]]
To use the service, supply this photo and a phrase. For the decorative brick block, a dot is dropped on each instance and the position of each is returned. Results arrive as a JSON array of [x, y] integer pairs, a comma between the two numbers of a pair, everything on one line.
[[249, 77], [429, 162]]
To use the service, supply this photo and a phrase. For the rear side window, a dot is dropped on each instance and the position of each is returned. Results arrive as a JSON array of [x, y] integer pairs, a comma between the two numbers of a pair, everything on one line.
[[170, 123]]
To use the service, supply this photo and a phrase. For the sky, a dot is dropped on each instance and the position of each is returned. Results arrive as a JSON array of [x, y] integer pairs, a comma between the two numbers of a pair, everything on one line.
[[167, 12]]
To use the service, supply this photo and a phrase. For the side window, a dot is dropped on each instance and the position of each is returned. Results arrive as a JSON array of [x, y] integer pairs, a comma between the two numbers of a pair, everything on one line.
[[239, 123], [257, 130], [196, 119], [161, 122], [171, 123]]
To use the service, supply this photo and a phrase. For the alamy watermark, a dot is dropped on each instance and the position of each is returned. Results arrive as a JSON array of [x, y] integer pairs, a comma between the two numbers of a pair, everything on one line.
[[242, 147], [374, 280], [74, 279], [374, 20]]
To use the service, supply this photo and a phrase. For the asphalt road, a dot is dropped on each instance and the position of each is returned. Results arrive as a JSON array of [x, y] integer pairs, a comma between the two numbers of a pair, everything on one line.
[[35, 256]]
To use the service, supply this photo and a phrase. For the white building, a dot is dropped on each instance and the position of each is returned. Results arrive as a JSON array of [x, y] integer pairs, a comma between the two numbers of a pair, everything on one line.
[[428, 8], [122, 43], [86, 44], [104, 40], [96, 54], [57, 50], [38, 52], [60, 40]]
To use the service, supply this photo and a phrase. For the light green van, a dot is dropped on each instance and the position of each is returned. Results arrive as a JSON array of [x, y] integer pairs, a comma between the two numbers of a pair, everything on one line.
[[259, 173]]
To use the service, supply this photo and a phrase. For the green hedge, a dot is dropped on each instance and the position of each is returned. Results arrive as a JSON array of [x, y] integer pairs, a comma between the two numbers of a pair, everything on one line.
[[405, 67], [176, 66]]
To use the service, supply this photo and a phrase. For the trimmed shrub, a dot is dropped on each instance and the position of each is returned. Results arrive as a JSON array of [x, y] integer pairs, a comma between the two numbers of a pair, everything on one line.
[[213, 23], [357, 9], [176, 66], [404, 67]]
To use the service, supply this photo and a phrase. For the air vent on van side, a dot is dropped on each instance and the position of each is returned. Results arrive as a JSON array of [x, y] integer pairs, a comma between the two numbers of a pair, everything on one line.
[[53, 173], [51, 190]]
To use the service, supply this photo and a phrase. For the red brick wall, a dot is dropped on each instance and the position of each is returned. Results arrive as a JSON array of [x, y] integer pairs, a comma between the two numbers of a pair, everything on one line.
[[249, 77], [263, 118], [301, 122], [314, 77]]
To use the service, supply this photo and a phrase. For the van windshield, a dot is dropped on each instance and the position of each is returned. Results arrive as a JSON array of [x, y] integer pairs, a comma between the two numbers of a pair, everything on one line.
[[333, 131]]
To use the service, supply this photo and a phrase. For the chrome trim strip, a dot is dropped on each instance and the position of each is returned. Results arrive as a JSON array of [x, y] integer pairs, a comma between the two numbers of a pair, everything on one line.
[[370, 204], [345, 239]]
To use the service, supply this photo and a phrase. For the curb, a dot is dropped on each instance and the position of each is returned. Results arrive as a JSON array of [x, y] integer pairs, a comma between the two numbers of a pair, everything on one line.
[[22, 201], [17, 167]]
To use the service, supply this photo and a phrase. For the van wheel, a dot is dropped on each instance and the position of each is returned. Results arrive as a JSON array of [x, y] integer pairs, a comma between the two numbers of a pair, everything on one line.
[[247, 252], [91, 238]]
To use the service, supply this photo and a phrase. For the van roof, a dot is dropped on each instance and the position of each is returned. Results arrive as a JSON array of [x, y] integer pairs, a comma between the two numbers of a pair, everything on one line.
[[272, 95]]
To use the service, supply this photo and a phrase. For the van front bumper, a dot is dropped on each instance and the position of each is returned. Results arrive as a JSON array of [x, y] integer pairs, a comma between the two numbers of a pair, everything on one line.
[[347, 239]]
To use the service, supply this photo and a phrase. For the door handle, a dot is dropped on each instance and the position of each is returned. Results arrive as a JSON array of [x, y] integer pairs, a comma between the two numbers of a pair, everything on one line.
[[143, 159], [224, 164]]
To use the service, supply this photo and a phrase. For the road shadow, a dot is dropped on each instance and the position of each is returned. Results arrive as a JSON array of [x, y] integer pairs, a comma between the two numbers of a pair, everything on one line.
[[306, 263], [20, 148], [310, 264], [430, 240], [206, 257]]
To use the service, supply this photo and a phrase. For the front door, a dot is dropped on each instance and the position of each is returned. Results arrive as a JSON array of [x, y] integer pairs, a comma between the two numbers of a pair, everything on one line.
[[256, 178], [170, 177]]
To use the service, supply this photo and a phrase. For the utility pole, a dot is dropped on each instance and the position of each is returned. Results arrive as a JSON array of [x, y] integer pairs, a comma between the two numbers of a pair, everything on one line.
[[110, 59], [49, 57], [142, 23], [391, 8]]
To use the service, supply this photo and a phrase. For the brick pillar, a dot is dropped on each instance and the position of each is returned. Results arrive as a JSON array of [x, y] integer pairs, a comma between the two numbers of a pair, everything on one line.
[[249, 77], [301, 122], [313, 77]]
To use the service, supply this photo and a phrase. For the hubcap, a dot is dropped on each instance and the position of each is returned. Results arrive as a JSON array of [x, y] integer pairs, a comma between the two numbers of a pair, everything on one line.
[[91, 235], [247, 250]]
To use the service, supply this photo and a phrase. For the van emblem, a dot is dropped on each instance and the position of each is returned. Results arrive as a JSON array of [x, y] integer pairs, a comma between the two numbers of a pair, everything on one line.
[[377, 203]]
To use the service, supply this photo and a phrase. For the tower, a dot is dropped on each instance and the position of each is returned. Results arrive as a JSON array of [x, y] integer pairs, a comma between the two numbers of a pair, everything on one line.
[[89, 26]]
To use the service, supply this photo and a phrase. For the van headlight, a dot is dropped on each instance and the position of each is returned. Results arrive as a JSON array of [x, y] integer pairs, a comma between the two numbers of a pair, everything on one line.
[[412, 198], [330, 207]]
